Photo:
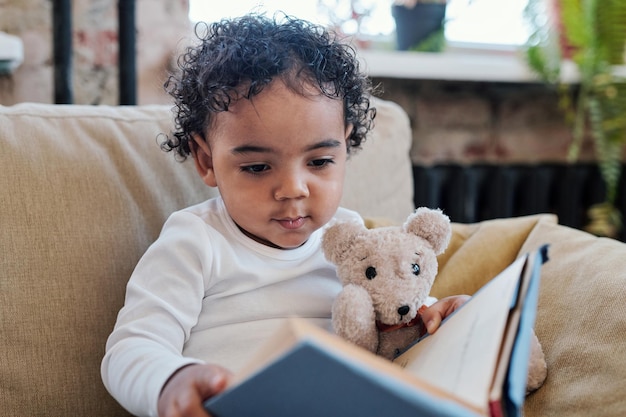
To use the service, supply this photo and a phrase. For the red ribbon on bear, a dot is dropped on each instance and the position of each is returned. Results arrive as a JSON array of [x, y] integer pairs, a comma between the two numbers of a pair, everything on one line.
[[417, 321]]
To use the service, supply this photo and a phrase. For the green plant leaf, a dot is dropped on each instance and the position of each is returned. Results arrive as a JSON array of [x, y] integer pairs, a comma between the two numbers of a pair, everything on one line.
[[611, 28], [593, 34]]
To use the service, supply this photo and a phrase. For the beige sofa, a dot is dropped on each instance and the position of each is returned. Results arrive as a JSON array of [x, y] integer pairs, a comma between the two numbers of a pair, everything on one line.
[[86, 189]]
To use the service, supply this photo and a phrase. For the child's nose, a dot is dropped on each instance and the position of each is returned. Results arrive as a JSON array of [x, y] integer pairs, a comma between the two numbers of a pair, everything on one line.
[[292, 185]]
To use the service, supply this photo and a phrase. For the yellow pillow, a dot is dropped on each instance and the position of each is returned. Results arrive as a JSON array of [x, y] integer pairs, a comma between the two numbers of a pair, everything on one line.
[[478, 252]]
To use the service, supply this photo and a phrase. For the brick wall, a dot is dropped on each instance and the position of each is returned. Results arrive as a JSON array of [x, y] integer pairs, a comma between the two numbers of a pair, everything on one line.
[[469, 122]]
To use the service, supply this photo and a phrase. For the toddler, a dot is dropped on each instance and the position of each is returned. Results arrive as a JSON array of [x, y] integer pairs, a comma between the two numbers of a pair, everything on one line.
[[269, 110]]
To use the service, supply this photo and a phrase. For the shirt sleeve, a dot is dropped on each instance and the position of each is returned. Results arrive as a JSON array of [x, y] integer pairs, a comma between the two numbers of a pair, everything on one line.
[[430, 300], [163, 301]]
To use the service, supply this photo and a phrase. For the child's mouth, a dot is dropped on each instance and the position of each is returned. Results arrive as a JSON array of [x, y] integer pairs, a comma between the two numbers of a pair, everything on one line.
[[292, 224]]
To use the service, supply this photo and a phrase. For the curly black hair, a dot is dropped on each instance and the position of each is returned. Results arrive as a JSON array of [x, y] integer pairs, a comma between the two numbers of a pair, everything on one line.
[[237, 58]]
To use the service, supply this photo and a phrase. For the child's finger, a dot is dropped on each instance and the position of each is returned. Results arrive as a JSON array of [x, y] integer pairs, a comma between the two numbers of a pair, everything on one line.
[[434, 315], [213, 380]]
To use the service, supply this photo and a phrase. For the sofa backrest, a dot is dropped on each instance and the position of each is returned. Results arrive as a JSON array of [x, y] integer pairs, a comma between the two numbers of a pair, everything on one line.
[[85, 190]]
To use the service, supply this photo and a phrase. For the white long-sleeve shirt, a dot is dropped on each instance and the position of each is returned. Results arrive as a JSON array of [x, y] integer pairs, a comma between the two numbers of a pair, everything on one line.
[[205, 292]]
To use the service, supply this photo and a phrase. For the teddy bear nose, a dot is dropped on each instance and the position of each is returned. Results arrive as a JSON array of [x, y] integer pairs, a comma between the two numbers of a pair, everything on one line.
[[403, 310]]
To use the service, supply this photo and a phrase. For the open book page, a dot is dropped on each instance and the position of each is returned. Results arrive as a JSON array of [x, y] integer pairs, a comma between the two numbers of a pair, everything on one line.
[[462, 355]]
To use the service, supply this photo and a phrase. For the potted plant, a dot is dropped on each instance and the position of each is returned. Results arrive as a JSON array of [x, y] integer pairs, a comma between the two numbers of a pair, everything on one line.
[[590, 34], [419, 24]]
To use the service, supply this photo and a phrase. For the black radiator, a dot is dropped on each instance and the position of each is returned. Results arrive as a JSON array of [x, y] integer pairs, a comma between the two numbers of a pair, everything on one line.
[[472, 193]]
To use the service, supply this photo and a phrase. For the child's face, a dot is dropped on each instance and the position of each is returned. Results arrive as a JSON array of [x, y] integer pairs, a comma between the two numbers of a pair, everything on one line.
[[278, 161]]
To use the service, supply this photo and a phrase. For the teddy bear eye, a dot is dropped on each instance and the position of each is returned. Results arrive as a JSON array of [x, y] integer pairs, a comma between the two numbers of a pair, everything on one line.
[[416, 269], [370, 272]]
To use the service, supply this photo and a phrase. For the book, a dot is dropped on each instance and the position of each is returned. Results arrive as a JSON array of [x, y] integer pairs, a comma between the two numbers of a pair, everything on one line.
[[475, 364]]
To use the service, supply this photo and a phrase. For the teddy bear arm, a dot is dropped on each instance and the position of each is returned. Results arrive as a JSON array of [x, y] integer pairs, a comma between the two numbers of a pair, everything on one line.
[[537, 367], [354, 318]]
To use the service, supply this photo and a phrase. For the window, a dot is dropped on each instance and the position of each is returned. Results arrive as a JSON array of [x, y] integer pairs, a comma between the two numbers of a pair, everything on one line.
[[498, 22], [487, 22]]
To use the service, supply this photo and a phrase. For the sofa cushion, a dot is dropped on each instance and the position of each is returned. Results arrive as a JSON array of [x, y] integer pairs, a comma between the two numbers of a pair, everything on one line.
[[379, 177], [581, 316], [85, 190], [581, 322]]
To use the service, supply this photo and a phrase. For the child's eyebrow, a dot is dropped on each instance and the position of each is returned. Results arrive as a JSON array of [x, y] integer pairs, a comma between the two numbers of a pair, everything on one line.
[[329, 143], [250, 149]]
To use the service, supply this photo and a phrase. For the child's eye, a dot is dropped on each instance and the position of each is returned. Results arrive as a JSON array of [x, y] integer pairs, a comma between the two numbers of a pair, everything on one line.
[[255, 169], [318, 163]]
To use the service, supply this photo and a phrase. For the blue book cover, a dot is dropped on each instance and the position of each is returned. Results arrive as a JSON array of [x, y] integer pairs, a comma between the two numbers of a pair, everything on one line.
[[308, 372], [515, 384], [312, 381]]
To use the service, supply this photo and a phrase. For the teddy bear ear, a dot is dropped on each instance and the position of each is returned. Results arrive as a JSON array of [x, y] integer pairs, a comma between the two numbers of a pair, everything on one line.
[[432, 225], [338, 238]]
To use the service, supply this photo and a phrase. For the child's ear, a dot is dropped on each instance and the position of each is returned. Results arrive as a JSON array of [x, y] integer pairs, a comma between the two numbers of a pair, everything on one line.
[[202, 157], [348, 131]]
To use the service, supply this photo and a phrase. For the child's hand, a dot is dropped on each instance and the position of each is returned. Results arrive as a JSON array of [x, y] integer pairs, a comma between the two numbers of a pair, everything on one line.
[[433, 315], [184, 392]]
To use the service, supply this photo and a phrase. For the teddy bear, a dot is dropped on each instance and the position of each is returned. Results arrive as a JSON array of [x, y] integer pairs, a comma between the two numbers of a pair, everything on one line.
[[387, 274]]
